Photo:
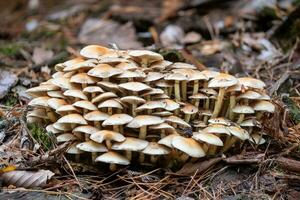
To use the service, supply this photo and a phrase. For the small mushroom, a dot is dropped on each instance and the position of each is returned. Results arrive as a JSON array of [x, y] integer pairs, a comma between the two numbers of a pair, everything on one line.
[[189, 110], [154, 149], [145, 57], [176, 77], [107, 136], [113, 159], [212, 140], [92, 147], [117, 120]]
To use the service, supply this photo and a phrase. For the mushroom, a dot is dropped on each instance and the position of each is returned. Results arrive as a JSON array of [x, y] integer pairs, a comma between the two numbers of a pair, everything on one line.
[[144, 57], [107, 136], [94, 51], [154, 149], [113, 159], [104, 71], [104, 96], [263, 106], [60, 67], [162, 127], [117, 120], [134, 101], [96, 116], [43, 103], [177, 77], [212, 140], [93, 90], [189, 110], [92, 147], [221, 81], [83, 79], [110, 104], [65, 137], [242, 110], [174, 120], [76, 94], [75, 151], [238, 133], [129, 145]]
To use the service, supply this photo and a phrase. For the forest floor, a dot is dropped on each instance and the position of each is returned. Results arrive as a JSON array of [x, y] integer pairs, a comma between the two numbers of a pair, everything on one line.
[[257, 38]]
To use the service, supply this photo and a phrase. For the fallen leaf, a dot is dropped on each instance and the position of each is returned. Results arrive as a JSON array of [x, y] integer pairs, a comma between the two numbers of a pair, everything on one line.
[[106, 32], [171, 36], [41, 55], [7, 80], [27, 179]]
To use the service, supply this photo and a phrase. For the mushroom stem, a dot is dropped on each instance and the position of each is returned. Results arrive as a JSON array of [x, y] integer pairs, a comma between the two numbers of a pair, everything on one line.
[[187, 117], [183, 157], [106, 79], [163, 133], [153, 159], [128, 155], [196, 87], [51, 115], [97, 124], [112, 167], [94, 156], [218, 104], [212, 150], [229, 143], [133, 107], [110, 111], [170, 90], [143, 132], [196, 104], [177, 90], [108, 144], [241, 118], [141, 157], [116, 128], [83, 85], [259, 115], [184, 88], [232, 102], [205, 147]]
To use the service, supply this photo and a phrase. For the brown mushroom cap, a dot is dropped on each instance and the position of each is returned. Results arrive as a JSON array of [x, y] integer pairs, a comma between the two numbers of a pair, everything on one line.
[[39, 102], [217, 128], [104, 96], [207, 138], [117, 119], [154, 148], [252, 82], [93, 89], [222, 81], [87, 129], [131, 144], [72, 119], [134, 86], [265, 106], [167, 141], [103, 135], [249, 95], [65, 137], [239, 132], [96, 115], [220, 120], [189, 109], [110, 103], [181, 65], [94, 51], [66, 109], [83, 78], [76, 94], [91, 146], [85, 105], [145, 54], [113, 157], [243, 109], [104, 71], [188, 146], [144, 120], [176, 120]]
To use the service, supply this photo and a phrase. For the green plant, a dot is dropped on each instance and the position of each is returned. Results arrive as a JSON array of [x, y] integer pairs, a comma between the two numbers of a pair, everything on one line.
[[41, 136]]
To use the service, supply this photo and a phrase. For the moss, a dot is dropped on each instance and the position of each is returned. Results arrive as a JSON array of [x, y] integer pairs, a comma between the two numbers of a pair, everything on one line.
[[41, 136], [171, 55], [10, 101], [294, 110], [10, 49]]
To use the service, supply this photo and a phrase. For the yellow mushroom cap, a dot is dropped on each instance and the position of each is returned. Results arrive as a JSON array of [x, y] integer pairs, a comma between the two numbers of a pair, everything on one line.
[[207, 138], [188, 146], [113, 157]]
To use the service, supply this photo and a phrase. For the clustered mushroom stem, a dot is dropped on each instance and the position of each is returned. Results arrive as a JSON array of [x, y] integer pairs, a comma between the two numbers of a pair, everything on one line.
[[108, 144], [110, 111], [133, 109], [141, 158], [144, 62], [187, 117], [169, 91], [241, 118], [94, 156], [143, 132], [229, 143], [212, 149], [153, 159], [112, 167], [183, 157], [205, 147], [116, 128], [51, 115], [128, 155], [232, 102], [196, 87], [97, 124], [83, 85], [163, 133], [218, 104], [177, 90], [106, 79], [259, 115], [184, 88]]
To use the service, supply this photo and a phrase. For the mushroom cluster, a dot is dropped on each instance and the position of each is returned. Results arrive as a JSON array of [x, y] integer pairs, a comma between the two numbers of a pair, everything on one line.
[[119, 105]]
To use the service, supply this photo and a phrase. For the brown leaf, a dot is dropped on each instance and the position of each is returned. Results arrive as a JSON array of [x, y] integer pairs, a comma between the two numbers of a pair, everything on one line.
[[27, 179], [200, 167], [7, 80]]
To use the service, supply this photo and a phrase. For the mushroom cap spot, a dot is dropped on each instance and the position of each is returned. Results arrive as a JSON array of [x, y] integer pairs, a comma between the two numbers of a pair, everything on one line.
[[238, 132], [264, 106], [74, 150], [176, 120], [249, 95], [220, 120], [144, 120], [243, 109], [188, 146], [153, 76], [51, 129], [39, 102], [103, 135], [104, 71], [96, 115], [154, 148], [87, 129], [252, 82], [104, 96], [94, 51], [85, 105], [208, 138], [134, 86], [113, 157], [167, 141], [91, 146], [83, 78], [175, 77], [110, 103], [92, 89], [189, 109], [133, 100], [65, 137], [198, 96], [181, 65], [72, 119], [216, 128], [222, 81], [117, 119], [66, 108], [76, 94], [131, 144]]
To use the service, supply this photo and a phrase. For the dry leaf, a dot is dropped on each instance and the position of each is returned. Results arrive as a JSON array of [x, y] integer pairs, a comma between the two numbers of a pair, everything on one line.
[[27, 179], [200, 167], [7, 80]]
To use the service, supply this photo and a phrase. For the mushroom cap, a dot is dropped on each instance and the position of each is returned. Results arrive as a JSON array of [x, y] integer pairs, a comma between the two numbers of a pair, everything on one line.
[[160, 65], [74, 150], [117, 119], [55, 103], [162, 126], [154, 148], [109, 85], [181, 65], [207, 138], [257, 139], [238, 132], [145, 54], [39, 113], [87, 129], [65, 109], [162, 113], [85, 105], [42, 88], [163, 83], [96, 115], [104, 96], [170, 104], [198, 96], [205, 112], [191, 74], [133, 100], [65, 137], [153, 76], [110, 103], [87, 64], [236, 88], [104, 71], [199, 124], [83, 78], [151, 105], [216, 128], [243, 109], [72, 119], [110, 60], [176, 120], [103, 135], [134, 86], [265, 106], [132, 74], [210, 74], [209, 91], [153, 91], [167, 141], [50, 129], [189, 109], [131, 144], [250, 123], [222, 81], [144, 120], [249, 95], [76, 94], [93, 89], [127, 66], [94, 51], [56, 94], [188, 146], [62, 126], [113, 157], [252, 82], [264, 96], [39, 102], [64, 83], [175, 77], [61, 66], [91, 146], [220, 120]]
